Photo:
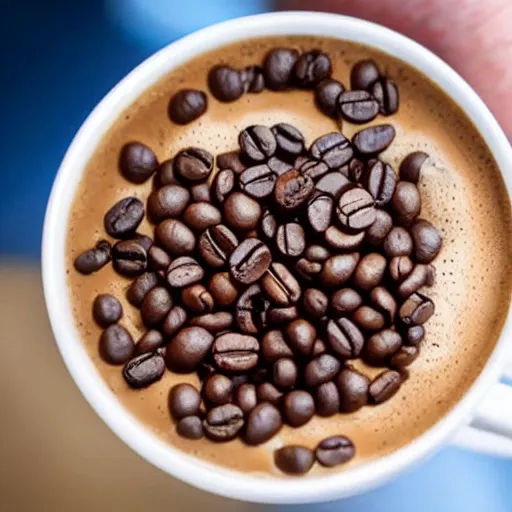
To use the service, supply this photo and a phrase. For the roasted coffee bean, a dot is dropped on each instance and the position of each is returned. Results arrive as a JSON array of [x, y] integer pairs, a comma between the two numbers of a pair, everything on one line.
[[145, 241], [374, 140], [188, 349], [356, 169], [427, 241], [344, 338], [380, 347], [93, 259], [357, 106], [225, 83], [311, 68], [231, 160], [280, 285], [257, 143], [137, 162], [327, 399], [416, 310], [368, 318], [290, 141], [414, 281], [268, 225], [404, 357], [190, 427], [223, 423], [314, 169], [384, 302], [343, 241], [317, 253], [333, 148], [150, 341], [338, 269], [241, 212], [264, 422], [333, 183], [415, 335], [175, 237], [345, 301], [298, 407], [116, 345], [155, 306], [398, 243], [143, 370], [380, 181], [291, 239], [279, 316], [278, 166], [386, 93], [274, 346], [216, 245], [294, 460], [319, 212], [284, 373], [369, 271], [223, 184], [235, 353], [315, 302], [410, 168], [187, 105], [124, 217], [200, 192], [222, 289], [214, 322], [218, 389], [251, 310], [405, 203], [168, 201], [334, 451], [353, 388], [363, 74], [200, 216], [174, 321], [158, 259], [184, 400], [166, 175], [308, 269], [197, 299], [321, 369], [184, 271], [193, 164], [400, 267], [129, 258], [249, 261], [140, 287], [278, 68], [377, 232], [245, 397], [106, 310], [326, 96], [292, 190], [384, 386], [253, 79], [301, 336], [258, 182], [267, 392], [356, 209]]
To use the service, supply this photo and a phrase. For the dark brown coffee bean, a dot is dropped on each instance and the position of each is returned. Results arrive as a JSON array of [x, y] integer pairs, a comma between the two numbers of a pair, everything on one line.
[[333, 183], [357, 106], [166, 175], [410, 168], [168, 201], [264, 422], [280, 285], [298, 408], [301, 336], [308, 269], [284, 373], [278, 166], [218, 389], [405, 203], [398, 243], [321, 369], [274, 346], [93, 259], [187, 105], [291, 239], [223, 184], [193, 164], [380, 181], [258, 182], [353, 388], [326, 96], [155, 306], [225, 83], [427, 241], [231, 160], [356, 209], [344, 338], [188, 349], [338, 269], [416, 310], [223, 423], [267, 392], [184, 400], [200, 192], [145, 241], [137, 162], [174, 321], [249, 261], [292, 190], [345, 301], [400, 267], [368, 318], [384, 386], [311, 68], [290, 141], [315, 302], [175, 237], [257, 143], [343, 241], [216, 245], [150, 341], [386, 94], [327, 399], [356, 169], [315, 170], [380, 347], [334, 451], [214, 322], [129, 258], [144, 370], [415, 335], [251, 310], [190, 427], [278, 68], [253, 79], [106, 310], [235, 353], [414, 281], [404, 357], [124, 217], [384, 302], [279, 316], [363, 74], [245, 397], [369, 271], [184, 271], [319, 346], [333, 149], [241, 212], [116, 345], [158, 259], [197, 299], [317, 253], [374, 140], [377, 232], [294, 460], [319, 212], [200, 216], [222, 289], [140, 287]]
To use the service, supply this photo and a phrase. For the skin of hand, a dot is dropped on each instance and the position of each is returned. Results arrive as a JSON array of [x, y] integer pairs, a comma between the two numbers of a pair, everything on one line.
[[473, 36]]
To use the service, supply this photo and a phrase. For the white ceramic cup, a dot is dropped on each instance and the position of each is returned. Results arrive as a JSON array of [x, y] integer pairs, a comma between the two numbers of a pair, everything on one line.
[[482, 420]]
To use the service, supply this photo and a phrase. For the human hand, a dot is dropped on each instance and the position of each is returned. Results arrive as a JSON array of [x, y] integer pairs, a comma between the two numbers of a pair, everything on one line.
[[474, 37]]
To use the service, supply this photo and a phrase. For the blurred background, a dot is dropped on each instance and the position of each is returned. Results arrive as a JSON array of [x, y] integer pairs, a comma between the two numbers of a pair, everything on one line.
[[57, 60]]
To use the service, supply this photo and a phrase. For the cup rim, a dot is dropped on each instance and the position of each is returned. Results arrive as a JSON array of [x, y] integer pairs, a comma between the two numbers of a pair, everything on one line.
[[189, 469]]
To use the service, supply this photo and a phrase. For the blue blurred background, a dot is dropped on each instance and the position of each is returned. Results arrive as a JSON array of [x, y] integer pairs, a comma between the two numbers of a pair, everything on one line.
[[57, 60]]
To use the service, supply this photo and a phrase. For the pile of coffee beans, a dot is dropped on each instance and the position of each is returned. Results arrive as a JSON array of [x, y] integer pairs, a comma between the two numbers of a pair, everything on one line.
[[269, 272]]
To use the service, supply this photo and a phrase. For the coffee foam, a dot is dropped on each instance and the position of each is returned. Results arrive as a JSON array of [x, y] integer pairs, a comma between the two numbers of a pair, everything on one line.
[[462, 193]]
